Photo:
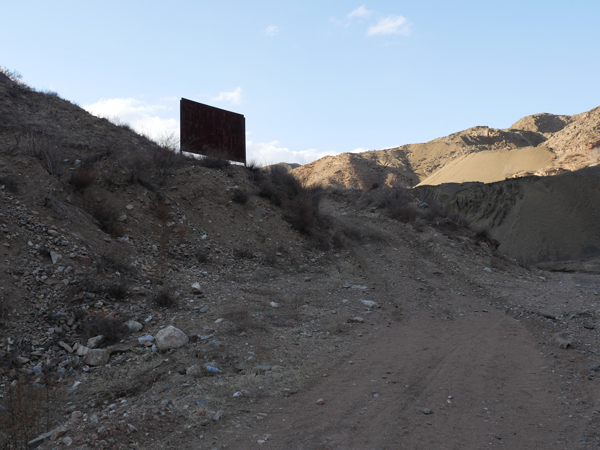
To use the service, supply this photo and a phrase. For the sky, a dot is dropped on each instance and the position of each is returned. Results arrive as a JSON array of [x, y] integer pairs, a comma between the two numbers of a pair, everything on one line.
[[312, 78]]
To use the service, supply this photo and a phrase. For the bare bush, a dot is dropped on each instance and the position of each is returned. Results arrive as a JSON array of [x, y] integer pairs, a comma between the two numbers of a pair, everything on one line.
[[24, 414], [47, 149], [81, 178], [243, 253], [105, 209], [164, 299], [202, 254], [118, 291], [9, 183], [111, 329], [240, 196], [241, 318]]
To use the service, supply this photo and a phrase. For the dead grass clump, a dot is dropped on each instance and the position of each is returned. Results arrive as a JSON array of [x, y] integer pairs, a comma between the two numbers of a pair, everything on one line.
[[9, 183], [243, 253], [404, 213], [111, 329], [202, 254], [419, 226], [24, 414], [165, 161], [483, 236], [270, 256], [211, 162], [255, 172], [213, 158], [399, 204], [117, 291], [138, 164], [240, 196], [111, 263], [82, 178], [302, 212], [240, 317], [164, 299], [104, 208]]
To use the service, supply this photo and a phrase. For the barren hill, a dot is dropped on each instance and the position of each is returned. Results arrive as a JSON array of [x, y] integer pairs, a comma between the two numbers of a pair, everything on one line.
[[149, 300], [541, 144]]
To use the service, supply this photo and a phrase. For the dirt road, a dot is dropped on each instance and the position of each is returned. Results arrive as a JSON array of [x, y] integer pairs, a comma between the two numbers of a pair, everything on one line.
[[442, 365]]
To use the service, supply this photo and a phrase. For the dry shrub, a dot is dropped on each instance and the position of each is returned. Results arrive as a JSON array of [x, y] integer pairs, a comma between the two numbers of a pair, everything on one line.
[[118, 291], [48, 149], [214, 158], [404, 213], [483, 236], [164, 299], [419, 226], [243, 253], [9, 183], [110, 262], [302, 212], [165, 161], [241, 318], [105, 209], [82, 177], [240, 196], [137, 164], [255, 172], [24, 414], [113, 330], [202, 254], [270, 256]]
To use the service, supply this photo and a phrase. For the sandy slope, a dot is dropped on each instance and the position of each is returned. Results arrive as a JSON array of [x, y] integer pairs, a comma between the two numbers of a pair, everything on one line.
[[491, 166]]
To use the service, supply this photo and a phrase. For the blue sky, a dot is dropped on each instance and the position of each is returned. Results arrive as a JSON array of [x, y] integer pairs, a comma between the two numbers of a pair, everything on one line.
[[311, 77]]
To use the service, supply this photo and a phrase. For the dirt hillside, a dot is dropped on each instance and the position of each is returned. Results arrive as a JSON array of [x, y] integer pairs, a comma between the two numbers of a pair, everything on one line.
[[550, 220], [149, 300]]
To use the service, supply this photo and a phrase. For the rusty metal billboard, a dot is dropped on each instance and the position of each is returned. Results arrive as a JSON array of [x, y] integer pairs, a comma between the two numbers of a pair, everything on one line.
[[211, 131]]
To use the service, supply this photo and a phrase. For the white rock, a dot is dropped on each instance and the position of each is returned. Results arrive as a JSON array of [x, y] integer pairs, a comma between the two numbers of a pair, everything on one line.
[[95, 341], [370, 303], [96, 357], [55, 257], [194, 371], [81, 350], [170, 337], [196, 288], [134, 326]]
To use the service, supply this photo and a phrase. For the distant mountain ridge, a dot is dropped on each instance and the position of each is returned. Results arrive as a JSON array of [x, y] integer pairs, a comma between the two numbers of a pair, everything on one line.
[[539, 144]]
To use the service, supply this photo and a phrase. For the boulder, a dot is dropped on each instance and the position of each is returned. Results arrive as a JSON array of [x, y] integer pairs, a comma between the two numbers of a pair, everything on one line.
[[170, 337], [96, 357]]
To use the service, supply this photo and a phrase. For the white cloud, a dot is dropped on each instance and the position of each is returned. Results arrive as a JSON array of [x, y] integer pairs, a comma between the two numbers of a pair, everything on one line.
[[234, 97], [390, 25], [361, 11], [271, 30], [359, 150], [265, 153], [141, 116]]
